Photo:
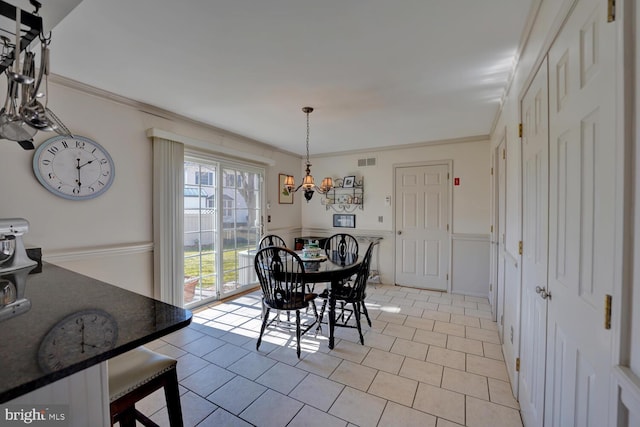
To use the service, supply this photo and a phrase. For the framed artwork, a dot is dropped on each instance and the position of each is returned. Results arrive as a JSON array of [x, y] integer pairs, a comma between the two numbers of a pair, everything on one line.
[[349, 181], [284, 196], [344, 220]]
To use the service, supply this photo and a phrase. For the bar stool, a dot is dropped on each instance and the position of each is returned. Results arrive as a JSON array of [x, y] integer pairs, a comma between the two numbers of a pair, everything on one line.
[[135, 375]]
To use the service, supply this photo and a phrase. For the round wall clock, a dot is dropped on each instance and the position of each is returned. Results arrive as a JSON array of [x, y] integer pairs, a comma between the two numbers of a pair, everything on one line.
[[77, 337], [73, 167]]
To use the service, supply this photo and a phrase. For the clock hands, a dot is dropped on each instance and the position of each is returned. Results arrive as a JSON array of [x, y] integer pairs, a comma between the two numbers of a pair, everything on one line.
[[78, 167], [90, 345], [78, 180], [82, 329]]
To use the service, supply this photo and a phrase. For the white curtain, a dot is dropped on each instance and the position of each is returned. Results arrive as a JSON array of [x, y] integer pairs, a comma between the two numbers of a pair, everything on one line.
[[168, 228]]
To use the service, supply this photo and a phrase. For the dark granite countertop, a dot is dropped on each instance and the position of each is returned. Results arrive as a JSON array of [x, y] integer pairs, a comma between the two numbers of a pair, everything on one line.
[[58, 322]]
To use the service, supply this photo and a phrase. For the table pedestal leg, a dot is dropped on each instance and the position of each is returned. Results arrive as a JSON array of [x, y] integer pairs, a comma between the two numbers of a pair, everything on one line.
[[332, 315]]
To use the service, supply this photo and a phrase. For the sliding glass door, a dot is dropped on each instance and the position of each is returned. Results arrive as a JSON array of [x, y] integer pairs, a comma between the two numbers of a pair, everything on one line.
[[222, 219]]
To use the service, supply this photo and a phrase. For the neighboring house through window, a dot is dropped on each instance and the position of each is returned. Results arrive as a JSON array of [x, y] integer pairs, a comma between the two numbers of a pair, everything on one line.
[[218, 249]]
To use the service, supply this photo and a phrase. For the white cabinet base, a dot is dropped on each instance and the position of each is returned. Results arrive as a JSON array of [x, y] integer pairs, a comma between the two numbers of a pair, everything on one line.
[[85, 392]]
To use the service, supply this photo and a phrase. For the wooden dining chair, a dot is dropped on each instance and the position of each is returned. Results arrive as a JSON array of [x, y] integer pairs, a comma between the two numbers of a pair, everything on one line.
[[271, 240], [281, 274], [341, 247], [353, 293], [265, 242]]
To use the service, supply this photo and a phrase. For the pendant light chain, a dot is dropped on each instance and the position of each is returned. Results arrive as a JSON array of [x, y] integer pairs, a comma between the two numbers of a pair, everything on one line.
[[308, 110], [307, 138]]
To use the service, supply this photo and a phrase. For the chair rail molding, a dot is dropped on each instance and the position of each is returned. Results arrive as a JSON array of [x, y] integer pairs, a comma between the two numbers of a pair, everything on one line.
[[76, 254], [629, 385]]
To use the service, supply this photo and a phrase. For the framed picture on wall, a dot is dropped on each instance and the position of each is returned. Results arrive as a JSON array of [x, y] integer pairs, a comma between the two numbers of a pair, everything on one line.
[[349, 181], [285, 197], [344, 220]]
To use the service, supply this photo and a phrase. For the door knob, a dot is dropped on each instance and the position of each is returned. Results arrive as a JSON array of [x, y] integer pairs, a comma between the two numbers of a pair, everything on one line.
[[399, 232], [543, 293]]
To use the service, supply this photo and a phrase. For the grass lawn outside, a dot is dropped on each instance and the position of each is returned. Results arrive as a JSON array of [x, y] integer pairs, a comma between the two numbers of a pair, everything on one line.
[[204, 265]]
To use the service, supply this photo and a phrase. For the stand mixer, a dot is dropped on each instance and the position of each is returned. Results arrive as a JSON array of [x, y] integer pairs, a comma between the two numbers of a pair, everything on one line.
[[15, 266], [13, 255]]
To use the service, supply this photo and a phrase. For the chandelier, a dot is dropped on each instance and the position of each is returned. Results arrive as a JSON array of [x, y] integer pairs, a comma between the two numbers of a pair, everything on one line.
[[308, 184]]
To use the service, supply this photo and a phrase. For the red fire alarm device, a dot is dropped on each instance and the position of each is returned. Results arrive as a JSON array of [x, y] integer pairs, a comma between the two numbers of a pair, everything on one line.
[[456, 181]]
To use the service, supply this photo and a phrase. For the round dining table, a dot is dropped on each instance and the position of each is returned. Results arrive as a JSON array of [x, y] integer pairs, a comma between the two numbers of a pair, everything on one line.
[[333, 269]]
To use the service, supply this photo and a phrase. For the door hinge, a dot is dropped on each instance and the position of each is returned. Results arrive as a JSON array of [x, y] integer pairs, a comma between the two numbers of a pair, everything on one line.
[[447, 276], [520, 247], [607, 311], [517, 364], [447, 227], [447, 175], [491, 171], [611, 10], [490, 287], [520, 131], [504, 153], [492, 228]]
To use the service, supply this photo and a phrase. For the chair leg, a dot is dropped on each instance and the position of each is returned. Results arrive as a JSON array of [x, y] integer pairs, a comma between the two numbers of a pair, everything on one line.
[[298, 334], [144, 420], [341, 315], [264, 325], [128, 417], [172, 394], [356, 311], [366, 313], [321, 315], [315, 310]]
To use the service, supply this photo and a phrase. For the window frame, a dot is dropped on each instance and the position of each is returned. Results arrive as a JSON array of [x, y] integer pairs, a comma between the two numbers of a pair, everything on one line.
[[221, 163]]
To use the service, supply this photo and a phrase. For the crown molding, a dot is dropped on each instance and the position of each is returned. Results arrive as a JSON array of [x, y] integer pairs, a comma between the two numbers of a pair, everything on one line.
[[157, 111], [463, 140]]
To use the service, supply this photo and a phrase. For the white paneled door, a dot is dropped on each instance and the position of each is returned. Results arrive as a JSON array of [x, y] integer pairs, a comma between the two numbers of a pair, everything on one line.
[[535, 215], [422, 226], [582, 216], [501, 227]]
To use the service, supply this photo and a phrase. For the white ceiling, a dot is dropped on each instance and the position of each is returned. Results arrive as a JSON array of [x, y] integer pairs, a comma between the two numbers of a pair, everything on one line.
[[378, 72]]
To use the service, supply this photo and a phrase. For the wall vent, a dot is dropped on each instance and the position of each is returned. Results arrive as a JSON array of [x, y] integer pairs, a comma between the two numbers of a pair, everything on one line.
[[371, 161]]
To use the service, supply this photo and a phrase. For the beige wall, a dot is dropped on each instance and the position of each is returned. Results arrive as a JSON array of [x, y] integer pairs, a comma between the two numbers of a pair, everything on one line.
[[470, 199], [470, 215], [110, 237]]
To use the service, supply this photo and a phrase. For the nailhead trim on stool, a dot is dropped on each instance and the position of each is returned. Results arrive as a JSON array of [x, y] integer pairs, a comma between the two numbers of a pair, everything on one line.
[[135, 375]]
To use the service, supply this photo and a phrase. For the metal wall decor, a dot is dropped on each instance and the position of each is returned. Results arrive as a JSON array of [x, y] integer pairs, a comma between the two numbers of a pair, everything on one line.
[[346, 196]]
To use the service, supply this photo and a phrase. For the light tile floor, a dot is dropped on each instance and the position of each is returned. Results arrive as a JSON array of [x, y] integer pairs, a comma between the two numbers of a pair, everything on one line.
[[430, 359]]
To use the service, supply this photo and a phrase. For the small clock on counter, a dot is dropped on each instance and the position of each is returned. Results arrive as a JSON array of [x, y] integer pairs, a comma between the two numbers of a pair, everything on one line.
[[77, 337], [73, 167]]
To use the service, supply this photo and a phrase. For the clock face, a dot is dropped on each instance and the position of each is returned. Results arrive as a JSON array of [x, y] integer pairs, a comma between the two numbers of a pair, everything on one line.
[[73, 167], [77, 337]]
